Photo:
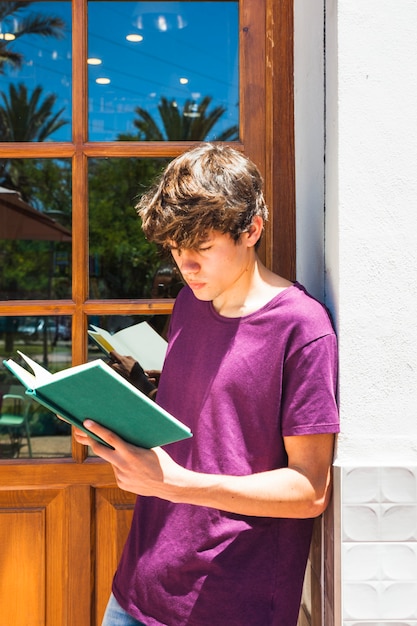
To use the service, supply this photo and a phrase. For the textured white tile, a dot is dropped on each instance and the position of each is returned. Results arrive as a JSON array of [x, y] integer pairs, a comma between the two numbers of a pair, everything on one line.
[[362, 600], [361, 484], [399, 484], [361, 562], [398, 561], [399, 601], [398, 522], [379, 562], [379, 623], [376, 601], [360, 522]]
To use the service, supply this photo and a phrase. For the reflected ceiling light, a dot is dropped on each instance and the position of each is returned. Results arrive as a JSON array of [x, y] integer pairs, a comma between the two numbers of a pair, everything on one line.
[[184, 81], [94, 61], [192, 110], [161, 23], [7, 36], [163, 16], [103, 81], [134, 37]]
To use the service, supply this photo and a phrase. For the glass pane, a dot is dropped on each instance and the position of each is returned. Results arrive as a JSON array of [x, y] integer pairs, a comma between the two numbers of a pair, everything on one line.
[[163, 71], [35, 229], [35, 63], [122, 262], [26, 428]]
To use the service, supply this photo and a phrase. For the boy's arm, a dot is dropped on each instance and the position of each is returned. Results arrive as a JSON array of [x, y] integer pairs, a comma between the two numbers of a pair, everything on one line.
[[300, 490]]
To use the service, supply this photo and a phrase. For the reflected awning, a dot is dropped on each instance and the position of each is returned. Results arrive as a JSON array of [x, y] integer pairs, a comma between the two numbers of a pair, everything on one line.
[[19, 220]]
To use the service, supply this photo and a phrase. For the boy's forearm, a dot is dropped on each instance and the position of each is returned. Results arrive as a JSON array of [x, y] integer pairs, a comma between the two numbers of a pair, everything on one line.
[[278, 493]]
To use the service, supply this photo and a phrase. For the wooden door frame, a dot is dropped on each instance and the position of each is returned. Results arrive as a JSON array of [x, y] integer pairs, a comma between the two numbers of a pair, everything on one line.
[[80, 492]]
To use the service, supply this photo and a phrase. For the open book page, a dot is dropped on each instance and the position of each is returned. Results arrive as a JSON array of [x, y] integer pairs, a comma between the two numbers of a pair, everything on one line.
[[140, 341], [41, 376], [29, 380], [104, 341]]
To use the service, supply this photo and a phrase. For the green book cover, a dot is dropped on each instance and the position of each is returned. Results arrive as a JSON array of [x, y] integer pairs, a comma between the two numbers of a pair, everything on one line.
[[95, 391]]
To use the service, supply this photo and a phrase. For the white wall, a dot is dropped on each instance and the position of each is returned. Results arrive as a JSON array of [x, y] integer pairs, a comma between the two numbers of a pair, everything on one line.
[[370, 240], [374, 170], [369, 247]]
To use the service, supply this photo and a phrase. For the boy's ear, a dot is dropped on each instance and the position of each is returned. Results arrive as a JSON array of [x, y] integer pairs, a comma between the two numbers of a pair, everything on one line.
[[255, 230]]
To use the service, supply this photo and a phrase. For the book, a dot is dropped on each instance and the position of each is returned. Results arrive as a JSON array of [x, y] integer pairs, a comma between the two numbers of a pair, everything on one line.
[[94, 390], [140, 341]]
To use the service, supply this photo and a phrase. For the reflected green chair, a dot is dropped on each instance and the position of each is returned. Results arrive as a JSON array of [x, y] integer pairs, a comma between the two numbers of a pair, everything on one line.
[[14, 415]]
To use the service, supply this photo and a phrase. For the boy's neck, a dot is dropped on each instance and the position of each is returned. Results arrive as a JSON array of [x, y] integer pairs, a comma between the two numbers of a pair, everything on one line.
[[259, 288]]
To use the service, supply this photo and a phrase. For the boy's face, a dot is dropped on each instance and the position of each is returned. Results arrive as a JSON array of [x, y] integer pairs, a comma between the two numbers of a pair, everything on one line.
[[218, 268]]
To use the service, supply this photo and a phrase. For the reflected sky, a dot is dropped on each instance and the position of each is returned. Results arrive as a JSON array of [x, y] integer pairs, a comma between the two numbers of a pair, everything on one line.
[[181, 51]]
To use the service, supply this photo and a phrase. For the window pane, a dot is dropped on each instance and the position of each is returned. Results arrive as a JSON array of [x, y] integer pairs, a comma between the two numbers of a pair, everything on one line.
[[163, 71], [46, 340], [122, 262], [35, 60], [35, 229]]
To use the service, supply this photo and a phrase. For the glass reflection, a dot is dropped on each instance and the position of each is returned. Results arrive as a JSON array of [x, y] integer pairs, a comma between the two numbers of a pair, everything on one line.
[[165, 283], [39, 434], [35, 63], [161, 71], [122, 261], [35, 229]]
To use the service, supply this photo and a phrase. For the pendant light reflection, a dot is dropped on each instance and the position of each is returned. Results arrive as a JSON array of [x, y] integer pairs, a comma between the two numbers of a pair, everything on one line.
[[134, 37], [162, 16]]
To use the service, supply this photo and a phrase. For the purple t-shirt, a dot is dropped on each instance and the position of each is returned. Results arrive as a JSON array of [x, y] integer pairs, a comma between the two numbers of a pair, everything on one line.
[[241, 384]]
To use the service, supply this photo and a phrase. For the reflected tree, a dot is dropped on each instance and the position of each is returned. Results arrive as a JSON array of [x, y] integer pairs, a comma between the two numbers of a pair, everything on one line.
[[193, 123], [22, 25], [122, 261], [25, 117]]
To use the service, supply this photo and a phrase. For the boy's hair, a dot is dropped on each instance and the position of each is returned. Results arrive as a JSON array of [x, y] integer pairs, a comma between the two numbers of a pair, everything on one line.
[[210, 187]]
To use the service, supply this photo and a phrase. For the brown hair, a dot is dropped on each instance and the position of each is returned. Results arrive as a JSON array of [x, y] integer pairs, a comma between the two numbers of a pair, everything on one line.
[[210, 187]]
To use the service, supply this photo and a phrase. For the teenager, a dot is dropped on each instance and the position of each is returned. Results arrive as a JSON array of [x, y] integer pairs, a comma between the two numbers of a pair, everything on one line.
[[222, 525]]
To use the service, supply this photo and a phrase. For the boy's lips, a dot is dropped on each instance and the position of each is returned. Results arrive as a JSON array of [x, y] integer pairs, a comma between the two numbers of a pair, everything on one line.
[[195, 285]]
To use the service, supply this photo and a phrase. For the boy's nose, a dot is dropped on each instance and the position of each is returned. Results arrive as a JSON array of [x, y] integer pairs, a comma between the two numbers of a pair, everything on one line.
[[187, 264]]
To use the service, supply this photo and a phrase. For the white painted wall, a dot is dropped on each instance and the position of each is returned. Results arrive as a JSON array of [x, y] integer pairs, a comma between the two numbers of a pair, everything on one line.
[[368, 207], [370, 271]]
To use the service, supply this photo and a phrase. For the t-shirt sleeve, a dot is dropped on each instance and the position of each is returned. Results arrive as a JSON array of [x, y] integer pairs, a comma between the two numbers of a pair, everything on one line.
[[309, 389]]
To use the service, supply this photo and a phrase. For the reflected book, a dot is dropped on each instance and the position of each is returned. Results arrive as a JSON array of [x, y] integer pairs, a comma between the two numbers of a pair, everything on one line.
[[140, 341], [95, 391]]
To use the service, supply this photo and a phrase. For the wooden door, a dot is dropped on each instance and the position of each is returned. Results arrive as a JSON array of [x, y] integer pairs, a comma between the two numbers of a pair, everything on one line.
[[63, 521]]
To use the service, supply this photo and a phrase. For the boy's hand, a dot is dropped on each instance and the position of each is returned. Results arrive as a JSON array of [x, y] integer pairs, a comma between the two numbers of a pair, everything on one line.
[[138, 470]]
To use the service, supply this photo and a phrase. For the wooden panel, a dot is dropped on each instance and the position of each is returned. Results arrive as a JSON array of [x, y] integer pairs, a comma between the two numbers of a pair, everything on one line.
[[22, 541], [60, 546], [114, 510], [33, 549]]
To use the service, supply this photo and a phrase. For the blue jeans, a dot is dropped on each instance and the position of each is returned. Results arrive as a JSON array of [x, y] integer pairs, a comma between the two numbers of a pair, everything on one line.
[[116, 616]]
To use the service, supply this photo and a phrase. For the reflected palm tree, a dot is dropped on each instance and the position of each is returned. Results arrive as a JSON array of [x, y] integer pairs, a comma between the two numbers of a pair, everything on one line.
[[25, 117], [193, 123], [30, 24]]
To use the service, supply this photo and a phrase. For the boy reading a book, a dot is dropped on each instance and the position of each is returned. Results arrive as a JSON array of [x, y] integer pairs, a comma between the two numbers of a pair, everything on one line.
[[223, 521]]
